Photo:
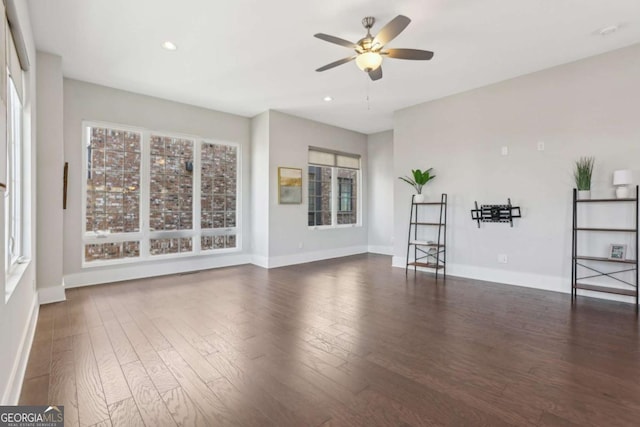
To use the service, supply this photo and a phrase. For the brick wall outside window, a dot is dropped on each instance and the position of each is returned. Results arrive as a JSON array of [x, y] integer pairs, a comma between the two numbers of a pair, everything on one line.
[[113, 191], [114, 226]]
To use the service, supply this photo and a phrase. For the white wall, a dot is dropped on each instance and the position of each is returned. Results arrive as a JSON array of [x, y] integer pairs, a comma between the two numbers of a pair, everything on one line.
[[19, 314], [589, 107], [289, 141], [260, 189], [50, 169], [85, 101], [380, 180]]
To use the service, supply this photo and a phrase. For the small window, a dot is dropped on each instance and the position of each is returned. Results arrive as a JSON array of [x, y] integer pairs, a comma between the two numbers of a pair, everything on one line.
[[330, 174], [319, 195]]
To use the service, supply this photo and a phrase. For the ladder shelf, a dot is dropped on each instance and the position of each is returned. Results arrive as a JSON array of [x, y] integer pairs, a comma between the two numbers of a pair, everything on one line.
[[586, 262], [427, 253]]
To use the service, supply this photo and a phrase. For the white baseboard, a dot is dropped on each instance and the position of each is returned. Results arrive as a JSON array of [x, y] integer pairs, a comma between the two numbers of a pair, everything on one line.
[[383, 250], [11, 395], [516, 278], [260, 261], [301, 258], [51, 294], [100, 275]]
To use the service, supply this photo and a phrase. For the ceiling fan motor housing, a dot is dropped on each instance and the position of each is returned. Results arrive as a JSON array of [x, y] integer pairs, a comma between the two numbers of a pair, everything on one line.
[[368, 22]]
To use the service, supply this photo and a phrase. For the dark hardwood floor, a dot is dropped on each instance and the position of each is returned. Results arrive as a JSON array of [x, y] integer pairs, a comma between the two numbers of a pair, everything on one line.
[[335, 343]]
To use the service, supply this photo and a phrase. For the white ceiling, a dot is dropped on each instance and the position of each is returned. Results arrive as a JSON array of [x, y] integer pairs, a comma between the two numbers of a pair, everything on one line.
[[248, 56]]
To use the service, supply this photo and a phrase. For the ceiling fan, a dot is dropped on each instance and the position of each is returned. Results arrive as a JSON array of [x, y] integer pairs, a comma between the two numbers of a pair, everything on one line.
[[369, 51]]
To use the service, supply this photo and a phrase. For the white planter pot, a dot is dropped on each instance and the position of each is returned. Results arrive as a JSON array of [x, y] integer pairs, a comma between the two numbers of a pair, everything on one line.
[[418, 198], [584, 194]]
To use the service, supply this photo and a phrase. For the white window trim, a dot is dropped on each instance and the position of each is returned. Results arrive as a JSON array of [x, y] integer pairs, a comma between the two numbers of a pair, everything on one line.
[[14, 276], [145, 233]]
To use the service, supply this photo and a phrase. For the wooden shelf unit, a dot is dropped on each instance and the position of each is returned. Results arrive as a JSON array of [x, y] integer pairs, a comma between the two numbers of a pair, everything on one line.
[[630, 265], [436, 260]]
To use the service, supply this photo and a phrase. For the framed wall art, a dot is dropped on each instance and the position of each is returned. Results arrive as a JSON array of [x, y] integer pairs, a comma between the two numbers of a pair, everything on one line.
[[289, 186]]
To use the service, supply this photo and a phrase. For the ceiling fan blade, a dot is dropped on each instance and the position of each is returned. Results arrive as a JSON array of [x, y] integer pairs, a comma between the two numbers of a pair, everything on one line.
[[336, 40], [336, 63], [390, 31], [408, 54], [376, 74]]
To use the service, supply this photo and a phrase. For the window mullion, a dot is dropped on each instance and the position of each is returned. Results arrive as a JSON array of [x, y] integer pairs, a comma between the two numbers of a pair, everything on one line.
[[145, 178], [359, 197], [197, 194], [334, 197]]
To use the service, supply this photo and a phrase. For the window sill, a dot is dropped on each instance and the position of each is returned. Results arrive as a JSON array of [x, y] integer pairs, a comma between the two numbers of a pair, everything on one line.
[[163, 257], [13, 279], [333, 227]]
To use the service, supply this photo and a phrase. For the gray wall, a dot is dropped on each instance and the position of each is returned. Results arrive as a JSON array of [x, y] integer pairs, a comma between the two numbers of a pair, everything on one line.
[[289, 141], [589, 107], [380, 180], [85, 101], [260, 188], [50, 170]]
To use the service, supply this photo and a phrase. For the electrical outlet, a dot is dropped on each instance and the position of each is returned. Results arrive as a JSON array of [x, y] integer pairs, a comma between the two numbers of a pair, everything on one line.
[[502, 258], [540, 145], [300, 245], [504, 151]]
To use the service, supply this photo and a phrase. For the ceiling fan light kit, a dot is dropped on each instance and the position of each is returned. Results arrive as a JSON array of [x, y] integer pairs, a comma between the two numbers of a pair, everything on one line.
[[368, 61], [369, 50]]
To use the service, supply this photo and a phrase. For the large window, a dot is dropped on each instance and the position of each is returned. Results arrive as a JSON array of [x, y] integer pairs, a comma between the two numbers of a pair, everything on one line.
[[171, 195], [218, 196], [13, 194], [112, 219], [333, 188], [131, 215], [17, 200]]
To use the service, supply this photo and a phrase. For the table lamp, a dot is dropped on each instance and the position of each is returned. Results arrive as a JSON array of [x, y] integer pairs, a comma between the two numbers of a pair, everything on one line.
[[621, 179]]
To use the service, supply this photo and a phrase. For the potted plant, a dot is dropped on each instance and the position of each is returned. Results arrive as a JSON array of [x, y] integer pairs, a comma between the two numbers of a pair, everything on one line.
[[419, 180], [582, 175]]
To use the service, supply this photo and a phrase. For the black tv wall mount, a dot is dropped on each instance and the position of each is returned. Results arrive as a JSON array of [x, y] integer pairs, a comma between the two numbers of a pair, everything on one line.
[[495, 213]]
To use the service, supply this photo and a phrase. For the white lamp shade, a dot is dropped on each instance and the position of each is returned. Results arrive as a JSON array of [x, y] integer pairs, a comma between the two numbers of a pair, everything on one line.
[[368, 61], [622, 177]]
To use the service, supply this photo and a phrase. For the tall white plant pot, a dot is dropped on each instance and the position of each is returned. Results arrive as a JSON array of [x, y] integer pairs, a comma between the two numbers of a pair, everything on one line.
[[418, 198], [584, 194]]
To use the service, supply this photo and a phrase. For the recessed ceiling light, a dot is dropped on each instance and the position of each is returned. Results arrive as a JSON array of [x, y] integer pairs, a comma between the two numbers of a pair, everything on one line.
[[169, 45], [328, 98], [608, 30]]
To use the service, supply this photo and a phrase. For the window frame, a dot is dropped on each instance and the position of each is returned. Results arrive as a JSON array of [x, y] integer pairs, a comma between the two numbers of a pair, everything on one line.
[[211, 232], [14, 192], [335, 196], [331, 202], [145, 215], [145, 234]]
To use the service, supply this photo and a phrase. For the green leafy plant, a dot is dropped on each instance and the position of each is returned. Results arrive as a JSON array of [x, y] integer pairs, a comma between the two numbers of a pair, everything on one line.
[[583, 172], [419, 179]]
